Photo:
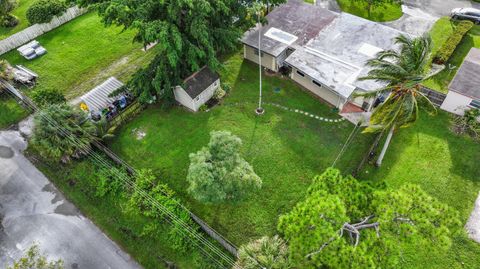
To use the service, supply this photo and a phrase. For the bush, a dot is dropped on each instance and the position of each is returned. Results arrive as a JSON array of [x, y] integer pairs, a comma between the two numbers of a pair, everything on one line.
[[43, 11], [219, 94], [467, 124], [452, 42], [226, 87], [44, 97], [9, 21]]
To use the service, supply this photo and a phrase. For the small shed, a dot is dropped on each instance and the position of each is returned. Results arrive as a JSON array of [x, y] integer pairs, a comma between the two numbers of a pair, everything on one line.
[[197, 89], [98, 98], [464, 90]]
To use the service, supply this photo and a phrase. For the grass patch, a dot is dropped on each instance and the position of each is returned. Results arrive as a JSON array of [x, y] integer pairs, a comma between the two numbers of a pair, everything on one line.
[[285, 148], [83, 53], [110, 215], [10, 111], [20, 12], [386, 12], [445, 166], [440, 32]]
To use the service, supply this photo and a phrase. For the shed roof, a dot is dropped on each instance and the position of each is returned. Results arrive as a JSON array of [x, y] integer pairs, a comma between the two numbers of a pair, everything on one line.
[[199, 81], [98, 98], [337, 56], [467, 79], [292, 19]]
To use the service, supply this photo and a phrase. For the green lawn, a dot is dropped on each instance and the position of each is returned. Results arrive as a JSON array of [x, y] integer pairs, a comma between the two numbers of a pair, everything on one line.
[[110, 214], [285, 148], [387, 12], [444, 165], [10, 111], [83, 53], [440, 32], [20, 12]]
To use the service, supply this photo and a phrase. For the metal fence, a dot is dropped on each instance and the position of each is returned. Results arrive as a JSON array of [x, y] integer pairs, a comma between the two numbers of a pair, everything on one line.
[[36, 30], [435, 97]]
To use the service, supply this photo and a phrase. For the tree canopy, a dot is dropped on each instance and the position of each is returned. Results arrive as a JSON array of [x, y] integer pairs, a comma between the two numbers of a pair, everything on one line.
[[189, 33], [55, 126], [344, 223], [218, 172]]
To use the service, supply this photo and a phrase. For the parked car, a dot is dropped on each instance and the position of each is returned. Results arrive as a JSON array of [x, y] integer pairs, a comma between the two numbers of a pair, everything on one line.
[[471, 14]]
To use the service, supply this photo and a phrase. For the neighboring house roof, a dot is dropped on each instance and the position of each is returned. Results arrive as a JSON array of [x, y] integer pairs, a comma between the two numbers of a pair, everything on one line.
[[293, 23], [199, 81], [337, 56], [97, 99], [467, 79]]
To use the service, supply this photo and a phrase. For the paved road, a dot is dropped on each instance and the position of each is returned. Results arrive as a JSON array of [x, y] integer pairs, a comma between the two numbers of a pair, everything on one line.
[[419, 15], [33, 210], [439, 8]]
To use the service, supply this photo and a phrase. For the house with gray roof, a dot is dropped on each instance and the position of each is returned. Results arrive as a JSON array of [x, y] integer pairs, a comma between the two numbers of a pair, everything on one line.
[[464, 90], [325, 51], [331, 64], [197, 89], [289, 26]]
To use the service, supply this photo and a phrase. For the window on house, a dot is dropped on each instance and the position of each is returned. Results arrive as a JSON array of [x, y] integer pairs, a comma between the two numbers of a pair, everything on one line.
[[317, 83], [475, 104], [300, 73], [256, 52]]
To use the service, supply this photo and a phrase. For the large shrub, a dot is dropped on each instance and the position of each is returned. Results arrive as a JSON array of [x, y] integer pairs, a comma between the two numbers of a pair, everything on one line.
[[452, 42], [45, 97], [218, 172], [7, 19], [43, 11]]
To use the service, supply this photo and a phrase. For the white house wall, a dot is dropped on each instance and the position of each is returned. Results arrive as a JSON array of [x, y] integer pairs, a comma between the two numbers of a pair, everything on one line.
[[183, 98], [322, 92], [268, 60], [456, 103]]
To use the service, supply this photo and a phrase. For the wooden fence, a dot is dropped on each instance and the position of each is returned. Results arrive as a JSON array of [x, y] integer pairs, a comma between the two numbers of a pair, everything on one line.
[[36, 30]]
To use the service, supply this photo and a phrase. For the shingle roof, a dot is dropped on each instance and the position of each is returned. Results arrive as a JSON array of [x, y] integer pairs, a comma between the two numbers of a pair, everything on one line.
[[296, 18], [97, 99], [467, 79], [199, 81]]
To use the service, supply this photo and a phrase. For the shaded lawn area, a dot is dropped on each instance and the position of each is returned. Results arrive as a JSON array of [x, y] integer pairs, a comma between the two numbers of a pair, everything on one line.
[[111, 215], [444, 165], [386, 12], [20, 12], [440, 32], [82, 54], [10, 111], [286, 149]]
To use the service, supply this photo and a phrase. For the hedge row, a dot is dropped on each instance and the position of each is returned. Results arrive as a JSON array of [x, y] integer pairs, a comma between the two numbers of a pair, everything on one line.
[[43, 11], [452, 42]]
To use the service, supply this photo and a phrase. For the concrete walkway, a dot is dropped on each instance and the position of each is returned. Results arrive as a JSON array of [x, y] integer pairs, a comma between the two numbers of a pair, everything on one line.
[[473, 224], [33, 210]]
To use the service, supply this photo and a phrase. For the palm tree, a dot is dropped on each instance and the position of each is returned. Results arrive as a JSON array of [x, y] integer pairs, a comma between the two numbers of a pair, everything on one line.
[[403, 71]]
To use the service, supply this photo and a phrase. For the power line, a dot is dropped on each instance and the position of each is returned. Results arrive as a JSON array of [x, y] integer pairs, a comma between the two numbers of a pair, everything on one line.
[[172, 218]]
